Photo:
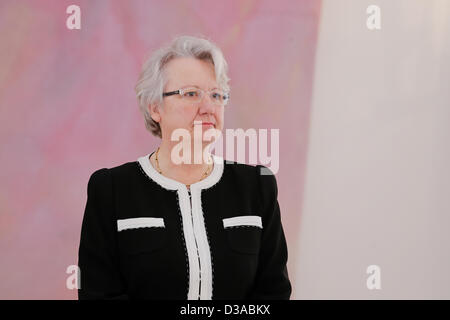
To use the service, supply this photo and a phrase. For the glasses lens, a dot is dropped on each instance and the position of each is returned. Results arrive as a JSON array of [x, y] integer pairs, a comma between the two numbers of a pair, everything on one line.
[[219, 97], [192, 94]]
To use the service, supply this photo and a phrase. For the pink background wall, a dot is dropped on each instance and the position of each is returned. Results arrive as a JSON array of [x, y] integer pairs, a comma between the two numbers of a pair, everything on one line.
[[67, 108]]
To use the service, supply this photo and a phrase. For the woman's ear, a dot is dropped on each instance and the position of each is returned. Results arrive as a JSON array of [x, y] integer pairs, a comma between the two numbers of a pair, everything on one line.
[[154, 112]]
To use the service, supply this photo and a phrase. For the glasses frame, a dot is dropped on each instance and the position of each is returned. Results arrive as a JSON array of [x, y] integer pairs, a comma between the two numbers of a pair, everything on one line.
[[184, 90]]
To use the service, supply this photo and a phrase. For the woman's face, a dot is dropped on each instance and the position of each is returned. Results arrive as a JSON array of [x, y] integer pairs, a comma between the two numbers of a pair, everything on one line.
[[176, 112]]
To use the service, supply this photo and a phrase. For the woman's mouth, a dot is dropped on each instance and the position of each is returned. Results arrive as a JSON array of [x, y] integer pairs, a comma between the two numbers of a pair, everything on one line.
[[205, 124]]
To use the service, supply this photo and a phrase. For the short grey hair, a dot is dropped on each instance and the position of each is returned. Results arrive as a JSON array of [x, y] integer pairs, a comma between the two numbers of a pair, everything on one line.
[[150, 86]]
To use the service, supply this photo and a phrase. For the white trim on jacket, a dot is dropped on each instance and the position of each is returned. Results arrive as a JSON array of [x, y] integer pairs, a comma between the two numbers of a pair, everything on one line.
[[243, 221], [134, 223], [193, 225]]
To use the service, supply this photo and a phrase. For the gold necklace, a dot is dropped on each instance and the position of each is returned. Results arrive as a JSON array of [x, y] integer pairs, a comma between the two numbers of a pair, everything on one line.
[[159, 169]]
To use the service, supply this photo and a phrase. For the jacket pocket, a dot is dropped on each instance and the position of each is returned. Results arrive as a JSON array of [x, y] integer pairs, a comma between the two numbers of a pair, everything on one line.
[[244, 233], [139, 235]]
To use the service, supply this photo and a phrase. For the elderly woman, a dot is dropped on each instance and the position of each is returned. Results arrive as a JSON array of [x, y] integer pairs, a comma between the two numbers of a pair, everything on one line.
[[200, 228]]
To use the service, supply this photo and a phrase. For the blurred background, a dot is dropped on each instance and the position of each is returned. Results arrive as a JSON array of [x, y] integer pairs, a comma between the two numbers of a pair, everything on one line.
[[363, 117]]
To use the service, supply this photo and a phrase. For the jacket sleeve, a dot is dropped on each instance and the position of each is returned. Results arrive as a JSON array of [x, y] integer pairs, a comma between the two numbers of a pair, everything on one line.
[[98, 255], [272, 279]]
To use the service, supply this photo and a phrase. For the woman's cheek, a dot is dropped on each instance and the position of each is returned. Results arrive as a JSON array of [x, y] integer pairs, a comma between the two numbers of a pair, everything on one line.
[[220, 119]]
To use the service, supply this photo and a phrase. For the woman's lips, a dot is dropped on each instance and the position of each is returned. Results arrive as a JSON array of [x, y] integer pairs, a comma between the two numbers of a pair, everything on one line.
[[206, 124]]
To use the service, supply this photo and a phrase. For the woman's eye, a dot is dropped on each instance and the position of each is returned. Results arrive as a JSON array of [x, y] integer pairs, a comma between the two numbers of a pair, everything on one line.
[[216, 96], [191, 94]]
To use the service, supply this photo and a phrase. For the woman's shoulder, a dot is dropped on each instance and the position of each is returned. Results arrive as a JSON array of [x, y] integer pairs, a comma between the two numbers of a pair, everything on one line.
[[122, 171], [247, 169], [253, 174]]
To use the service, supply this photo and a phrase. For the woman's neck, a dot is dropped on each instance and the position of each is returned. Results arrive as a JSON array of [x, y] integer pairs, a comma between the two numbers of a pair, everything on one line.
[[187, 173]]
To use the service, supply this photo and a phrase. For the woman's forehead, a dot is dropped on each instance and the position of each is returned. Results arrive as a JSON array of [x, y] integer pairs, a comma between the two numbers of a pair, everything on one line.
[[191, 72]]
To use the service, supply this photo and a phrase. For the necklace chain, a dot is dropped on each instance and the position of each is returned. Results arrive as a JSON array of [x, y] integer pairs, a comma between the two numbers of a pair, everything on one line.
[[159, 169]]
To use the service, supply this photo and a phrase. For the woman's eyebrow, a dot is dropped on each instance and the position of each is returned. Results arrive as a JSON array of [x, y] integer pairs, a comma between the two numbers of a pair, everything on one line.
[[195, 86]]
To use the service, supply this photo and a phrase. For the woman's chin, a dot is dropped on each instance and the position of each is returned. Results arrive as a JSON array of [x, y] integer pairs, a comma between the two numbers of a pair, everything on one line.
[[205, 142]]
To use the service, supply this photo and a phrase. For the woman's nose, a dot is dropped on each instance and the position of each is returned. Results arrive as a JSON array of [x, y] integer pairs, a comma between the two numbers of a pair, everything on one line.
[[206, 104]]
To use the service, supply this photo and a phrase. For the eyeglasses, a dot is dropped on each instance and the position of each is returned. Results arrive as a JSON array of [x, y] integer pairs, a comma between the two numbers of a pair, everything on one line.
[[195, 95]]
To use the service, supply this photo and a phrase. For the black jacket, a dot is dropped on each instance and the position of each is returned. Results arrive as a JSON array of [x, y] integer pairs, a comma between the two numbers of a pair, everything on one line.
[[141, 239]]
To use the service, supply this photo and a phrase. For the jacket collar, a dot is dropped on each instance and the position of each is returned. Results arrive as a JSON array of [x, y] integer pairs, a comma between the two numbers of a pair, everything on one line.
[[171, 184]]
